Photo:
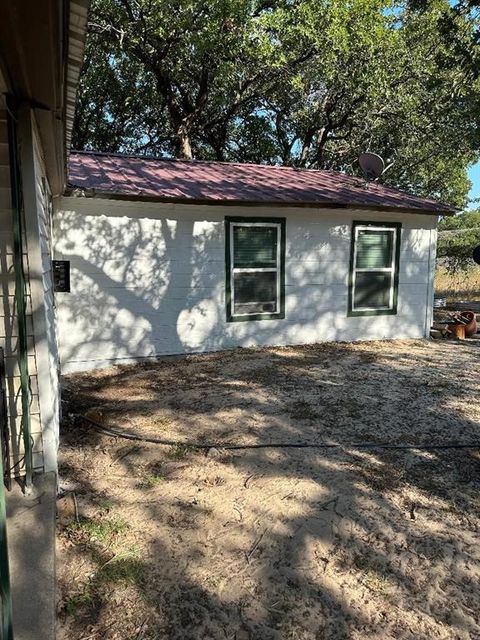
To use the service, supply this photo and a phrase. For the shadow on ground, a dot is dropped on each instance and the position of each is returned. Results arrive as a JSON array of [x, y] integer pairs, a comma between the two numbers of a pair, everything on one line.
[[275, 543]]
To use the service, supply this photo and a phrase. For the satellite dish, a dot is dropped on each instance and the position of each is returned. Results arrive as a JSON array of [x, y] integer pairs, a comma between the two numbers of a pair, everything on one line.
[[372, 165], [476, 254]]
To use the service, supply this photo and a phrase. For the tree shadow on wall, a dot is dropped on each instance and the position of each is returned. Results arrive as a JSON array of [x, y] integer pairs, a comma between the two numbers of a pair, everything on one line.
[[153, 283], [131, 280]]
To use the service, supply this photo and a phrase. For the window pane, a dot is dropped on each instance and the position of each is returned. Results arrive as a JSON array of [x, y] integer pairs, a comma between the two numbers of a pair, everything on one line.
[[255, 292], [372, 290], [374, 249], [254, 246]]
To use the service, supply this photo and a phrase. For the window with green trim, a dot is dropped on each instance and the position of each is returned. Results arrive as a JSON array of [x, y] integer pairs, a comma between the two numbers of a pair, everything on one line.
[[374, 264], [255, 268]]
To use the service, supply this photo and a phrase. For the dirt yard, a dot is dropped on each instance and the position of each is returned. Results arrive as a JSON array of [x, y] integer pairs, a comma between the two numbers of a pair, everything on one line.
[[167, 542]]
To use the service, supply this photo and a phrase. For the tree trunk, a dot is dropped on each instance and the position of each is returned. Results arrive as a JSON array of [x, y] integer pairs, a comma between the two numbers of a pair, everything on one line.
[[302, 161], [183, 145]]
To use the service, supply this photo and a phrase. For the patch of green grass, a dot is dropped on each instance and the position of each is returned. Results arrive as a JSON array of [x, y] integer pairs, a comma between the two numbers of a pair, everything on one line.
[[373, 578], [102, 529], [151, 480], [161, 421], [377, 583], [105, 503], [78, 601], [125, 567], [126, 570], [179, 452]]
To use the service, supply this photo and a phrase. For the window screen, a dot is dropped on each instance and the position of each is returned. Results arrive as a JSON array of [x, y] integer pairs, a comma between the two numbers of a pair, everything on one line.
[[374, 269], [374, 249], [255, 257], [255, 246]]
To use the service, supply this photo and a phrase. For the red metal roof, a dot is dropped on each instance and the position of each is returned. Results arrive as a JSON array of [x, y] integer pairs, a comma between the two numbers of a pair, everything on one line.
[[207, 182]]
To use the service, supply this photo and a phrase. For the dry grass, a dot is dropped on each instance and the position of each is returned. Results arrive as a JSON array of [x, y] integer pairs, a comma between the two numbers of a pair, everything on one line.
[[276, 544], [463, 286]]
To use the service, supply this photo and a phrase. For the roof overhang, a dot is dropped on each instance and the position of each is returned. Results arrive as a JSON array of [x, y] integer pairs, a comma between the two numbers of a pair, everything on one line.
[[107, 195], [206, 182], [41, 50]]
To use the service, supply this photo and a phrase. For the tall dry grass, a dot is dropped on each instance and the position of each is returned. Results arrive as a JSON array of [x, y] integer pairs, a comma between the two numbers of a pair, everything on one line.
[[464, 285]]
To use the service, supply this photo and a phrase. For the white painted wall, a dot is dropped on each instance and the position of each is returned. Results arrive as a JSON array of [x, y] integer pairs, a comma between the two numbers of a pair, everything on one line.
[[38, 220], [149, 279], [45, 325]]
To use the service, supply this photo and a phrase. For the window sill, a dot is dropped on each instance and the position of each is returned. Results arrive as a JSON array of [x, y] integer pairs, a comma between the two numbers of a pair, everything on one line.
[[371, 312], [257, 316]]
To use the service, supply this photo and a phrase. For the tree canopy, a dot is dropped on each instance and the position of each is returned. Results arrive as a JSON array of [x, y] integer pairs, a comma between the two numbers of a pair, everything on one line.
[[458, 236], [309, 83]]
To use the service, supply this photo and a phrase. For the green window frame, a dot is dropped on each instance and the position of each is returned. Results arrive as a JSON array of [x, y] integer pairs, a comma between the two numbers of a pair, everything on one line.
[[254, 274], [374, 268]]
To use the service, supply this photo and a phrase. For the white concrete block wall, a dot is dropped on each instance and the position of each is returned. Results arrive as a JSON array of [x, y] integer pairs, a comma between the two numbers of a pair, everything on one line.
[[149, 279]]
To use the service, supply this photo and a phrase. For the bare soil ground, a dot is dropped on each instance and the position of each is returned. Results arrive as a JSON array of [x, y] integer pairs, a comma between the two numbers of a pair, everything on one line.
[[275, 543]]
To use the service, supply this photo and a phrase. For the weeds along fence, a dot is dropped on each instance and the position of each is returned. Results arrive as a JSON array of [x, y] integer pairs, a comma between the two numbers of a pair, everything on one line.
[[457, 275], [462, 285]]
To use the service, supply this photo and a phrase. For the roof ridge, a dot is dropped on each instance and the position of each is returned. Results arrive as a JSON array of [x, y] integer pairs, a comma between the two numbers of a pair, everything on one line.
[[138, 156]]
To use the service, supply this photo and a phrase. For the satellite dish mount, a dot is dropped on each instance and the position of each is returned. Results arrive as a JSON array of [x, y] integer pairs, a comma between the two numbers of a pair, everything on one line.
[[372, 166]]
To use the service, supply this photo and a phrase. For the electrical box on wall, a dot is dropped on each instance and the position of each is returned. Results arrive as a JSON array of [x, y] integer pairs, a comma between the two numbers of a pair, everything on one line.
[[61, 276]]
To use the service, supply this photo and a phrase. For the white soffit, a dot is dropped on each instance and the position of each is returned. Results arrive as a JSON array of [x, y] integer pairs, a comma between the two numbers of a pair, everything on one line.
[[77, 29]]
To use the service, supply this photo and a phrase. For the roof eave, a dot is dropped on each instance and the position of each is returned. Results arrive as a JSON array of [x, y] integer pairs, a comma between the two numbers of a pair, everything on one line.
[[76, 191], [77, 32], [41, 47]]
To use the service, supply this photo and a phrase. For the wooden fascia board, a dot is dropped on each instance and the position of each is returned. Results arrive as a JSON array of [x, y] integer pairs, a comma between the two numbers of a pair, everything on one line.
[[72, 191]]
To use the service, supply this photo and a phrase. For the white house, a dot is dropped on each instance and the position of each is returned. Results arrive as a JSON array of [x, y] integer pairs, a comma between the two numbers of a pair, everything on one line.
[[172, 257]]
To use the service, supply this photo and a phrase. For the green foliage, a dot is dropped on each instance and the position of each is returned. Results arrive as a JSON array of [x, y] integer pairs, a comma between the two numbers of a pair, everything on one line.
[[179, 452], [466, 220], [125, 567], [152, 480], [305, 82], [78, 601], [458, 236], [102, 529]]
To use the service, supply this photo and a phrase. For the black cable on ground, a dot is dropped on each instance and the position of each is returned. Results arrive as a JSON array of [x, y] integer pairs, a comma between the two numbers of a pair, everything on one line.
[[115, 433]]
